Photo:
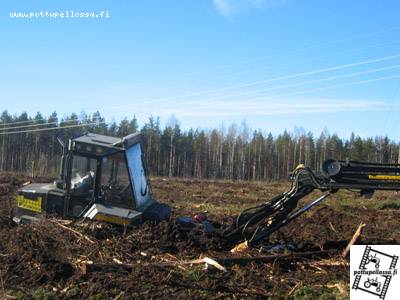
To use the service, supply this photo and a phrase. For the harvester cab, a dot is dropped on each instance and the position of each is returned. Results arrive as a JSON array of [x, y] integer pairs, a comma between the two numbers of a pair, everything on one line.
[[101, 178]]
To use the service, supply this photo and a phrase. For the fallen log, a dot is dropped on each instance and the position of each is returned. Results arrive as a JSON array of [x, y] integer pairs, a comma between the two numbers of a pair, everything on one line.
[[218, 263], [330, 263], [272, 258], [119, 266], [95, 267]]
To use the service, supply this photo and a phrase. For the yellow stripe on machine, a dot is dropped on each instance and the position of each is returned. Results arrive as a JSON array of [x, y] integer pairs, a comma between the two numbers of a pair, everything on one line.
[[30, 204], [112, 219], [384, 177]]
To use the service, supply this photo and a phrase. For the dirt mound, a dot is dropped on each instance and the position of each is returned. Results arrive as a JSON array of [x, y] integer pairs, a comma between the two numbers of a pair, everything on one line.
[[325, 226], [171, 237], [47, 256], [34, 255]]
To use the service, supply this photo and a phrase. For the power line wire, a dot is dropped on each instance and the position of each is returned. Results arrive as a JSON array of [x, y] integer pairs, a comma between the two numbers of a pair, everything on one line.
[[331, 87], [338, 67], [53, 128], [278, 96], [42, 124], [36, 120], [308, 82], [335, 68], [351, 38], [272, 67], [23, 122]]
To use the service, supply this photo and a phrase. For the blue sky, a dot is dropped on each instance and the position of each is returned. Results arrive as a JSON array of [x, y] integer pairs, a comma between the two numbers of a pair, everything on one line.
[[277, 64]]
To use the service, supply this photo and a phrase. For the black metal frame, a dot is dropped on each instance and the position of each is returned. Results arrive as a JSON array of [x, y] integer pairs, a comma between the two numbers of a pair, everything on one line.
[[257, 223], [68, 156]]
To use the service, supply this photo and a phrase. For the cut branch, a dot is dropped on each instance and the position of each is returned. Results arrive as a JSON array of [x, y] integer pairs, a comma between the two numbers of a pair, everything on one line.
[[353, 239]]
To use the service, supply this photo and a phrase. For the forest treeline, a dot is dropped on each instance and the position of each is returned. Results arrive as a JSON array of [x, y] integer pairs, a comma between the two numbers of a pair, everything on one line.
[[235, 152]]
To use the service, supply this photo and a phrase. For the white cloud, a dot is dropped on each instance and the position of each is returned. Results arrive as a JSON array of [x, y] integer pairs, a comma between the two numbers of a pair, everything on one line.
[[229, 7], [225, 7], [263, 108], [248, 108]]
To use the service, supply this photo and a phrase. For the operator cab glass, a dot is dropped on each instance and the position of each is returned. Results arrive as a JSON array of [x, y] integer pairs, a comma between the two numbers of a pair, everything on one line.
[[83, 176], [138, 177], [115, 185]]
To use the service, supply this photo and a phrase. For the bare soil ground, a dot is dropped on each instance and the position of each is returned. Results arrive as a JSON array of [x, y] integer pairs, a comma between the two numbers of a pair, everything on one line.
[[47, 259]]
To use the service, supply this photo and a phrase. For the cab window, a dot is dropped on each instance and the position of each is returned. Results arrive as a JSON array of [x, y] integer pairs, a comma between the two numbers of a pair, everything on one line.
[[83, 175], [115, 185]]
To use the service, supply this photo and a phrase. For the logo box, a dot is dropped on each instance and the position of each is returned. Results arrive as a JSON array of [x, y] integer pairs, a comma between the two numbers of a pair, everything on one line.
[[374, 272]]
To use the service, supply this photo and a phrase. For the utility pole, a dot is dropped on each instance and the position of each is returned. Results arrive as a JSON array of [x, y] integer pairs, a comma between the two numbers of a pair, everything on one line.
[[2, 146], [398, 157], [170, 155]]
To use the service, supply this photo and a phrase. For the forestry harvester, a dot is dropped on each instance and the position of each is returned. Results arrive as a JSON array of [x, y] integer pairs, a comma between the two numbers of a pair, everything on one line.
[[101, 178], [104, 178]]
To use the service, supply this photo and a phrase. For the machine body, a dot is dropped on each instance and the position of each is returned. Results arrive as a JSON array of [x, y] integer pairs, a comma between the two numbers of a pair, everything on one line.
[[101, 178]]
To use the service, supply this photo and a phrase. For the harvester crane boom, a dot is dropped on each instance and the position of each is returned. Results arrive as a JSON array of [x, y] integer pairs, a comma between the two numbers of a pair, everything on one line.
[[257, 223]]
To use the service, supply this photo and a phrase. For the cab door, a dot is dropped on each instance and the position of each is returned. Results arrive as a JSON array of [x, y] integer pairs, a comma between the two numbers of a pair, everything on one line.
[[138, 177]]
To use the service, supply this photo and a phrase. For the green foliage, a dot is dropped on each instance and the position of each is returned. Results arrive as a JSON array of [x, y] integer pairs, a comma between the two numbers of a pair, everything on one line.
[[331, 293], [305, 293], [73, 292], [390, 204], [43, 294], [196, 275], [22, 296]]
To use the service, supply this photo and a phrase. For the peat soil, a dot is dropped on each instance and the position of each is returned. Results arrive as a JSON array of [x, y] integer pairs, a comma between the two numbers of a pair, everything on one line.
[[55, 258]]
